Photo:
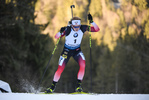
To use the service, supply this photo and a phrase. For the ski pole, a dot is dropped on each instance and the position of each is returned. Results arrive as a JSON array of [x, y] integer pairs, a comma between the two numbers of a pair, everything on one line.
[[90, 40], [47, 65], [72, 6]]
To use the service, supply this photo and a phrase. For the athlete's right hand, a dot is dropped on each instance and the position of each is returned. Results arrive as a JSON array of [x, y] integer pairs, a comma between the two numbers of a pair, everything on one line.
[[62, 29]]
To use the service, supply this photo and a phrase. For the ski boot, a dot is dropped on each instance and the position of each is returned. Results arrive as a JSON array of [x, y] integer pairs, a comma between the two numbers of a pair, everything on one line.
[[79, 88], [52, 88]]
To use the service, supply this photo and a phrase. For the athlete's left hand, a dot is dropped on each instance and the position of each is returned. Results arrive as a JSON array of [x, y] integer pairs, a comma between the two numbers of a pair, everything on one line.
[[90, 18]]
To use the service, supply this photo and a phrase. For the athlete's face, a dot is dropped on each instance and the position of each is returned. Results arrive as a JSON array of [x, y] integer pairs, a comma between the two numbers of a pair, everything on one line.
[[76, 24], [76, 28]]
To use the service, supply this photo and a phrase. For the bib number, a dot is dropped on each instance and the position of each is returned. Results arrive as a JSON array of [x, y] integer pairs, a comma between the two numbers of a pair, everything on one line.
[[75, 40]]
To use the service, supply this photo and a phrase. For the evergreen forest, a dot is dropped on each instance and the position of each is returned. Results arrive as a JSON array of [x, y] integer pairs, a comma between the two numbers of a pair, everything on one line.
[[120, 50]]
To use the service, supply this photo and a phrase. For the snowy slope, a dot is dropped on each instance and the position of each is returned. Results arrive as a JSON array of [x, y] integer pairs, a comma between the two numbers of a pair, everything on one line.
[[26, 96]]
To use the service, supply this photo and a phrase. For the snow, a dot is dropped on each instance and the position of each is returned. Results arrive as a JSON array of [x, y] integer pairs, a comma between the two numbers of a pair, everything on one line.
[[27, 96]]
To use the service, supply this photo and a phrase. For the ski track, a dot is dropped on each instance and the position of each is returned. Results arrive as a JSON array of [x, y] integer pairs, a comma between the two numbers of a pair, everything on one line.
[[64, 96]]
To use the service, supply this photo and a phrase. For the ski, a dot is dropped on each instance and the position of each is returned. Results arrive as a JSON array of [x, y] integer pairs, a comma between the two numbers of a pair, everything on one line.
[[79, 93], [73, 93]]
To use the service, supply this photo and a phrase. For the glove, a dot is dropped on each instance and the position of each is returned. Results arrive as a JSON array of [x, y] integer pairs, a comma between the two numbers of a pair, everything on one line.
[[62, 29], [90, 18], [70, 22]]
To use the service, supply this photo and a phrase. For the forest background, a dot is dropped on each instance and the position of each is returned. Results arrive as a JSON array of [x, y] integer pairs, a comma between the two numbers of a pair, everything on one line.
[[120, 50]]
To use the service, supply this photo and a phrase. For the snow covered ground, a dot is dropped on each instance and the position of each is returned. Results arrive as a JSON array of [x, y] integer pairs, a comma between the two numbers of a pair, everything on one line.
[[26, 96]]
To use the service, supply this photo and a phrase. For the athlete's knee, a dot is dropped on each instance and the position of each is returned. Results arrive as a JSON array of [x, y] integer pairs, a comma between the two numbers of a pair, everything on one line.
[[82, 64], [61, 67]]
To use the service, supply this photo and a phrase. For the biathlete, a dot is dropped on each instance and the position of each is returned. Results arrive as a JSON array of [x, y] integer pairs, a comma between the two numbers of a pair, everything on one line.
[[73, 37]]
